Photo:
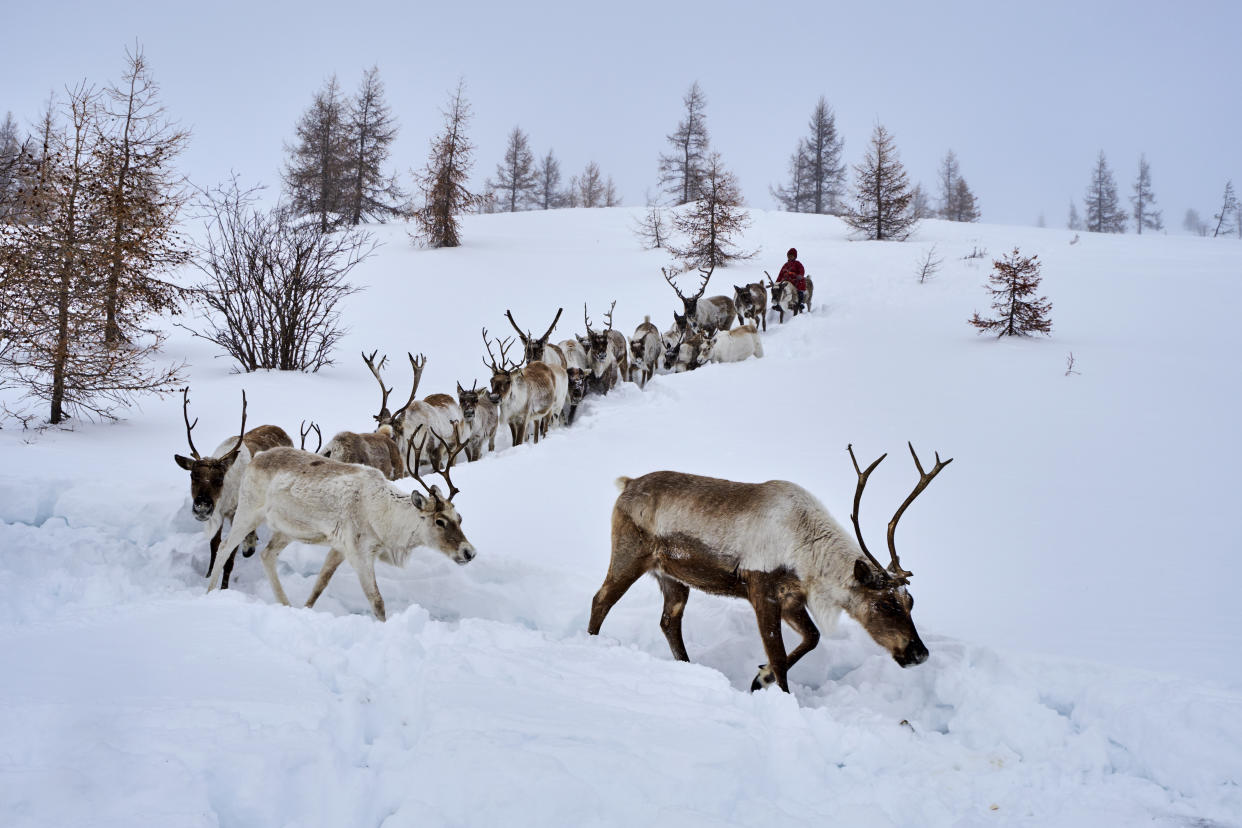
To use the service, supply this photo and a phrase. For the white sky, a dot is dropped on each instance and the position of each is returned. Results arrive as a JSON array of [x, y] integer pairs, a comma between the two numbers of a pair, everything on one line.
[[1025, 95]]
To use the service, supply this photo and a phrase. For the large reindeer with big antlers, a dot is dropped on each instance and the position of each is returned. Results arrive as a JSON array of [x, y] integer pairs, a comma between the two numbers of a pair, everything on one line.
[[352, 509], [439, 414], [214, 479], [607, 353], [771, 543], [539, 349], [718, 312], [377, 449], [528, 396]]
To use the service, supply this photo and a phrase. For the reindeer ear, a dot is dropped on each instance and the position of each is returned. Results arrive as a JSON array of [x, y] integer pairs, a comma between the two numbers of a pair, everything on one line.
[[419, 501], [184, 462], [865, 575]]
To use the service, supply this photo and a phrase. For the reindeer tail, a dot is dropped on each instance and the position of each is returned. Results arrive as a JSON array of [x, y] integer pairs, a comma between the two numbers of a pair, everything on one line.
[[647, 319], [622, 482]]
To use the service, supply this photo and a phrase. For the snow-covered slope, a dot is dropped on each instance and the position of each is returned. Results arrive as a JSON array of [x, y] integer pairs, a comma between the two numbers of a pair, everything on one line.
[[1071, 565]]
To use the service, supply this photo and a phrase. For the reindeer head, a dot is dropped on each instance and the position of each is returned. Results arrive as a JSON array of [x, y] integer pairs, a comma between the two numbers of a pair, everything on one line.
[[469, 400], [742, 298], [880, 600], [206, 473], [689, 303], [577, 384], [532, 346], [444, 530], [637, 348], [502, 370], [596, 342]]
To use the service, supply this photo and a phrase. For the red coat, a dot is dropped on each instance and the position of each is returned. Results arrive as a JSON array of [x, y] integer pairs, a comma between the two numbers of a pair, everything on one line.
[[793, 271]]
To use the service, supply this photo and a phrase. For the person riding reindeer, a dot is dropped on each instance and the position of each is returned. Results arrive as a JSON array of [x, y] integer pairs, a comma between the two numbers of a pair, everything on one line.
[[794, 273]]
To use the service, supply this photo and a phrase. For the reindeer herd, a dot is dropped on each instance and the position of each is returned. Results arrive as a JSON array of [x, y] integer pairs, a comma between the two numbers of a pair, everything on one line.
[[771, 543]]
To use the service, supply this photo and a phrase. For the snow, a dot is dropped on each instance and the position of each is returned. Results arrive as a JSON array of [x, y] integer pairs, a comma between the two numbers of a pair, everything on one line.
[[1070, 565]]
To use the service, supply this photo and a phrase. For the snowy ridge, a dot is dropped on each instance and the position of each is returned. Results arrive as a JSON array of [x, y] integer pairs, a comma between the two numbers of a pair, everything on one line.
[[130, 698]]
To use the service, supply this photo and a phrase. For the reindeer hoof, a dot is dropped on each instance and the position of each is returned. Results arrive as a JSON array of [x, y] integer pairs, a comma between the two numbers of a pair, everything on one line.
[[766, 677]]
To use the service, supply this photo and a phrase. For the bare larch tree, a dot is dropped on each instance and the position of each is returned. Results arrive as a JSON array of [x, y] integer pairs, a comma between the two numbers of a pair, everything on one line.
[[369, 191], [142, 198], [1228, 212], [517, 178], [1144, 200], [317, 164], [54, 266], [548, 186], [682, 169], [817, 174], [443, 179], [1013, 283], [712, 224], [1104, 213], [882, 192]]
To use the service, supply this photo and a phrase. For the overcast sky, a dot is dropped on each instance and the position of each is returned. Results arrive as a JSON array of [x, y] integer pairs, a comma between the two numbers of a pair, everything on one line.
[[1026, 95]]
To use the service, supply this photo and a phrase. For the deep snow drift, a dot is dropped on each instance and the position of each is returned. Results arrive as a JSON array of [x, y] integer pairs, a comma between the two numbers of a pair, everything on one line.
[[1069, 565]]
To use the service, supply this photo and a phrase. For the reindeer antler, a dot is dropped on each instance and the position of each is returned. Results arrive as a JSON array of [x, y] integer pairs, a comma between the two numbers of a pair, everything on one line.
[[417, 365], [525, 336], [418, 458], [668, 277], [862, 483], [189, 427], [241, 434], [551, 327], [608, 316], [586, 318], [770, 282], [707, 277], [895, 568], [305, 432], [384, 415]]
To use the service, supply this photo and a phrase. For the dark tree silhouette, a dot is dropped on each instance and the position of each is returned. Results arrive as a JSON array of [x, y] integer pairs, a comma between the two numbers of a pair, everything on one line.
[[882, 193], [1013, 283], [683, 168], [443, 179]]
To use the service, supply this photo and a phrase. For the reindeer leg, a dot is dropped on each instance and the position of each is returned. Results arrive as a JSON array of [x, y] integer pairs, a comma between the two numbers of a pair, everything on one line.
[[243, 524], [761, 590], [364, 565], [675, 596], [798, 618], [325, 574], [631, 558], [269, 555], [213, 544]]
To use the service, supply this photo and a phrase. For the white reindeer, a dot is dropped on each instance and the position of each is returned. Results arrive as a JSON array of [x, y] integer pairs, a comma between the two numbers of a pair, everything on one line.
[[352, 509], [732, 346]]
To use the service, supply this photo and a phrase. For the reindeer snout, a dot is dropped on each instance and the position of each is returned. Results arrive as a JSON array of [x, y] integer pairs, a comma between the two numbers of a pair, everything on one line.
[[203, 509], [465, 554], [914, 653]]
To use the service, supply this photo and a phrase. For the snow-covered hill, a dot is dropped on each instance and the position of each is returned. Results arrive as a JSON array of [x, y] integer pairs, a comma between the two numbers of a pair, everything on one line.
[[1071, 565]]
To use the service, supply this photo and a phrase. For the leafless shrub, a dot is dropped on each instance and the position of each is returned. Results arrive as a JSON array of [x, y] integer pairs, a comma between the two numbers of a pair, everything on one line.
[[1069, 365], [929, 265], [274, 282], [976, 253]]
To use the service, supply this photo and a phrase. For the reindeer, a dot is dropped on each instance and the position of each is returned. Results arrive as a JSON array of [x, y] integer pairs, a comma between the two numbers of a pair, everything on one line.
[[377, 449], [717, 311], [575, 355], [685, 353], [481, 419], [437, 413], [539, 350], [607, 353], [732, 346], [771, 543], [214, 479], [752, 303], [577, 381], [351, 509], [528, 396], [785, 296], [644, 352]]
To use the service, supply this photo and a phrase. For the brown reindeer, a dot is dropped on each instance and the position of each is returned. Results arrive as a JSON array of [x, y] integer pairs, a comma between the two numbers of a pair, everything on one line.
[[717, 311], [539, 349], [437, 412], [214, 479], [481, 419], [529, 396], [752, 303], [607, 353], [771, 543]]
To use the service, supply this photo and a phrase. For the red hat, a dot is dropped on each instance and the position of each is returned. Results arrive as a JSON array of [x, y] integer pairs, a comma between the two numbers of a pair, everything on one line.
[[793, 253]]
